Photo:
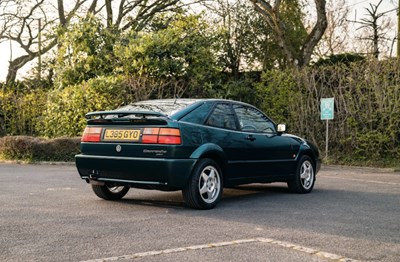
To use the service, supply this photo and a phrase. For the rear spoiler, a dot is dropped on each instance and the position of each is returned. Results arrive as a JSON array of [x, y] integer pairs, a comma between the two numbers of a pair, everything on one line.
[[121, 114]]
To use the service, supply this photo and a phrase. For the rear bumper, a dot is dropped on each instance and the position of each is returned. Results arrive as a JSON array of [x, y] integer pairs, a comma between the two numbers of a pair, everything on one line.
[[168, 173]]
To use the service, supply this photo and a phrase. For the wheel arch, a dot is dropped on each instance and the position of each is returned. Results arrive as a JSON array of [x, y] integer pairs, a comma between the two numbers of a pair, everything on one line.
[[308, 153], [307, 150], [213, 152]]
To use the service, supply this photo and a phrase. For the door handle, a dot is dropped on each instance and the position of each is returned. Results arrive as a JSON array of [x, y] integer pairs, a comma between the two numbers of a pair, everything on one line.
[[250, 137]]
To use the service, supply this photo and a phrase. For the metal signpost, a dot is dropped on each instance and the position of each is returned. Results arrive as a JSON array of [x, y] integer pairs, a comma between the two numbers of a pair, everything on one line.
[[327, 109]]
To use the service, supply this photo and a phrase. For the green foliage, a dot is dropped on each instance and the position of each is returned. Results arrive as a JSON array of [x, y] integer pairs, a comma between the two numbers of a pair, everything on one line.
[[246, 41], [27, 148], [66, 108], [85, 52], [292, 16], [263, 45], [180, 52], [180, 55], [345, 58], [20, 110], [367, 98], [235, 35], [240, 87], [278, 90]]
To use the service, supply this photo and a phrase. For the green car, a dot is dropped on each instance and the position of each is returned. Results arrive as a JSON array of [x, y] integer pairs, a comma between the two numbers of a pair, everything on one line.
[[198, 146]]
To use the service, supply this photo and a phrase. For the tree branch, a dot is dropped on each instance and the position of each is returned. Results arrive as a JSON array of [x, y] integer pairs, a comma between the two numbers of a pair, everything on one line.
[[316, 34], [273, 18]]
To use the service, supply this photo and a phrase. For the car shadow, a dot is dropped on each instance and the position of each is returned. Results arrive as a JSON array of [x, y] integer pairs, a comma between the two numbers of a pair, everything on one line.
[[154, 203], [255, 192], [175, 200]]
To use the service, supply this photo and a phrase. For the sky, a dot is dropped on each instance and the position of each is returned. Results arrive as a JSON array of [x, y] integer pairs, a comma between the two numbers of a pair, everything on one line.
[[357, 11]]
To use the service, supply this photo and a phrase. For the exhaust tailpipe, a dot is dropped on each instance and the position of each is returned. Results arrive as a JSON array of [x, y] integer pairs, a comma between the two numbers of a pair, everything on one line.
[[94, 182]]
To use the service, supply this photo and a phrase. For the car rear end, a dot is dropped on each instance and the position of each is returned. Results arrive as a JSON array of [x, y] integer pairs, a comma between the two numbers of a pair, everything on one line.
[[137, 147]]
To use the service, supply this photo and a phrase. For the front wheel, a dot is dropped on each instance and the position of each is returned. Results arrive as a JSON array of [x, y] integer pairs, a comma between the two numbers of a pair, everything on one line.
[[305, 177], [108, 192], [204, 188]]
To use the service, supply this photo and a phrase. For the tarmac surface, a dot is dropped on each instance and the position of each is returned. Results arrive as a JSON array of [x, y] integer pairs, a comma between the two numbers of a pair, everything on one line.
[[48, 214]]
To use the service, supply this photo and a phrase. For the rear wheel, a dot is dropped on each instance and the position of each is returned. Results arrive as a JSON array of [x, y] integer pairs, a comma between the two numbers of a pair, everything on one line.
[[108, 192], [204, 188], [305, 177]]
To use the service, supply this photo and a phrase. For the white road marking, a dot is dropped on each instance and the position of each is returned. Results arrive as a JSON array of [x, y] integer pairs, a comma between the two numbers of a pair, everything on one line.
[[307, 250], [60, 189], [363, 180]]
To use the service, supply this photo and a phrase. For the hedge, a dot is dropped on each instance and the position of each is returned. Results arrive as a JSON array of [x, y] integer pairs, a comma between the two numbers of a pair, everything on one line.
[[65, 110], [21, 110], [31, 149], [366, 127]]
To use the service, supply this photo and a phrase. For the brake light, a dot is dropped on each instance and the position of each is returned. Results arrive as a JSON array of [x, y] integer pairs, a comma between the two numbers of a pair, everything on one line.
[[91, 134], [150, 135], [170, 132], [169, 140], [168, 136]]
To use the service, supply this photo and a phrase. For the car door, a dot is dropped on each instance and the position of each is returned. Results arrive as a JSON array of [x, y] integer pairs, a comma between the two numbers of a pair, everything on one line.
[[262, 152], [222, 130]]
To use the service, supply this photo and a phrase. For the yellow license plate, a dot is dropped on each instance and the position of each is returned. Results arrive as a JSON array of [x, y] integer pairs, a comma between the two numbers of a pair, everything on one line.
[[121, 135]]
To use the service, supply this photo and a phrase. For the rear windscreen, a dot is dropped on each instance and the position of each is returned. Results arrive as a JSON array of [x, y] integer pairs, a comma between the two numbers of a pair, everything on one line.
[[166, 107]]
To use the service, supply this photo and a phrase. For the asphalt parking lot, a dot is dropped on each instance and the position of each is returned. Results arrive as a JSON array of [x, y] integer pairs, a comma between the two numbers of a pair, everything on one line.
[[49, 214]]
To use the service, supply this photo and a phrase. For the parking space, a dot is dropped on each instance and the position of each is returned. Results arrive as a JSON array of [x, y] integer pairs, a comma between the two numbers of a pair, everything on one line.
[[49, 214]]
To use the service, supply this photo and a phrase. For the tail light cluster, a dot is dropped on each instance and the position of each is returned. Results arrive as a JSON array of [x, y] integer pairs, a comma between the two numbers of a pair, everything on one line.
[[170, 136], [153, 135], [91, 134]]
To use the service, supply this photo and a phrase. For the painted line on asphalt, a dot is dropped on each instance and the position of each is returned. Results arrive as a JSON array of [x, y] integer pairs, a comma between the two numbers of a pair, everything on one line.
[[60, 189], [288, 245], [363, 180]]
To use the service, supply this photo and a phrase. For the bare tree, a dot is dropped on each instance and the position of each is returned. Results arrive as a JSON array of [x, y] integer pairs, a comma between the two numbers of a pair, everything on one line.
[[19, 21], [137, 14], [335, 38], [272, 15], [237, 33], [375, 28]]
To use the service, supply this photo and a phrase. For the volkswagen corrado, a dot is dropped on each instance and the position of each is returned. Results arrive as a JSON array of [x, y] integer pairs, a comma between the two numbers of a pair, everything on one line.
[[198, 146]]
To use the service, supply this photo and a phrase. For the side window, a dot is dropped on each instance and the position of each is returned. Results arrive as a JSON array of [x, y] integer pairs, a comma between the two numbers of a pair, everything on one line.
[[198, 116], [222, 117], [252, 120]]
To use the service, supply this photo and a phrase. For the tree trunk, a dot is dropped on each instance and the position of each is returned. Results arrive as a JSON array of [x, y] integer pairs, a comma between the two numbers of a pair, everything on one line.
[[61, 13], [273, 19], [316, 34], [109, 13], [15, 65], [19, 62]]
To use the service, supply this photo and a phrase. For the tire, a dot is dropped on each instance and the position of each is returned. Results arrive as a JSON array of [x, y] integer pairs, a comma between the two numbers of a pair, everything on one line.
[[305, 177], [110, 192], [205, 185]]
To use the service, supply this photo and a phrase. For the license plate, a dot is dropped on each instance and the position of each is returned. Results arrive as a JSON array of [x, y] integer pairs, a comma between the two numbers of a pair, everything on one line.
[[121, 135]]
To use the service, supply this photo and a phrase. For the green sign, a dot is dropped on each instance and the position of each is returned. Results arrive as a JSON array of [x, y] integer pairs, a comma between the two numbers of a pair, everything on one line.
[[327, 108]]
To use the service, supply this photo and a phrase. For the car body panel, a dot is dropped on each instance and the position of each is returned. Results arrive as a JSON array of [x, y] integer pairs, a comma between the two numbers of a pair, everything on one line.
[[161, 172], [244, 157]]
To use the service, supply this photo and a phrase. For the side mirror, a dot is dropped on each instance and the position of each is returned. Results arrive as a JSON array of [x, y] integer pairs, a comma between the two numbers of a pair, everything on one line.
[[281, 128]]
